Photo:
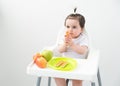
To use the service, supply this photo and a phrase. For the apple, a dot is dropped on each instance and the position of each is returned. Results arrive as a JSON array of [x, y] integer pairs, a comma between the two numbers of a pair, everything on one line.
[[41, 62], [37, 55], [47, 54]]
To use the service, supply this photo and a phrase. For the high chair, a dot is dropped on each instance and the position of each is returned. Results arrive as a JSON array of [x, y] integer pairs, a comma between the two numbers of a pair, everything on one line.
[[87, 69]]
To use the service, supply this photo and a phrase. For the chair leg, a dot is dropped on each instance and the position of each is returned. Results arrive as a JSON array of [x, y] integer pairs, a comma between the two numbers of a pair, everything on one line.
[[49, 81], [99, 78], [92, 83], [67, 80], [38, 81]]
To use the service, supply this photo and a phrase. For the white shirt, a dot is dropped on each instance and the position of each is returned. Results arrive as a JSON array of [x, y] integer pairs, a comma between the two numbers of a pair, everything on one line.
[[81, 40]]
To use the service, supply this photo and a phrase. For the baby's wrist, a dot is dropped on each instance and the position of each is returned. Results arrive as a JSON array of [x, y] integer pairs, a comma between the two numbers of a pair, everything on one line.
[[65, 45], [71, 44]]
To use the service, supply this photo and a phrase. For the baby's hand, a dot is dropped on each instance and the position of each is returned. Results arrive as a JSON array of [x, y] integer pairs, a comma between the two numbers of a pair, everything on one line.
[[68, 39]]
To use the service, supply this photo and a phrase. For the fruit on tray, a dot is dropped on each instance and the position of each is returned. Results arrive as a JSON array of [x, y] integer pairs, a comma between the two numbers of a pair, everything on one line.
[[41, 62], [41, 59], [37, 55], [61, 64], [47, 54]]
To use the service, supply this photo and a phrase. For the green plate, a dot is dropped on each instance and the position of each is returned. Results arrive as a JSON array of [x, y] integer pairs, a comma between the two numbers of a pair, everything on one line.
[[72, 63]]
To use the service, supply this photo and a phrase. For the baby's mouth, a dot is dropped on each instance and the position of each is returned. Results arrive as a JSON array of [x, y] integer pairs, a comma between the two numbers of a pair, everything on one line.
[[71, 34]]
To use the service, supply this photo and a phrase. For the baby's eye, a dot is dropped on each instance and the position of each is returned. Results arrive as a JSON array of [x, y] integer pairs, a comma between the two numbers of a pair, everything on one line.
[[68, 26], [74, 27]]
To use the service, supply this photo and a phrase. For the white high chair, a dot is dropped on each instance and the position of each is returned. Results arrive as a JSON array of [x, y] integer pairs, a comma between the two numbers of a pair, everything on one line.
[[87, 69]]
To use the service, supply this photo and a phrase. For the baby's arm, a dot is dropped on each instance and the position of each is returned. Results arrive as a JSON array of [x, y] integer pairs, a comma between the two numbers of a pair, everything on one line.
[[62, 48], [79, 49]]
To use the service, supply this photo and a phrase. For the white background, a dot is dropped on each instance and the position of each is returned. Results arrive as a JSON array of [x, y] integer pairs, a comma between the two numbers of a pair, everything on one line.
[[27, 26]]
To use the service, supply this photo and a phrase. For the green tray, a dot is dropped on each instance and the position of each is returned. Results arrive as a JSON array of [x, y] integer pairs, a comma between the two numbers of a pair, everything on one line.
[[72, 63]]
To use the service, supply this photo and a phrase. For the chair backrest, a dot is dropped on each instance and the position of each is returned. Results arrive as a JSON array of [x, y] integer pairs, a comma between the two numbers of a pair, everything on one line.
[[93, 53]]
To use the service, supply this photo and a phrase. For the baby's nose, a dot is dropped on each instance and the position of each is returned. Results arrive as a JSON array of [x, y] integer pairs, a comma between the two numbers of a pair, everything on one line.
[[71, 30]]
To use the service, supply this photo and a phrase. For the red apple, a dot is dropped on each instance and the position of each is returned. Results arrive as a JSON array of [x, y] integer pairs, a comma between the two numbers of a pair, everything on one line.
[[41, 62]]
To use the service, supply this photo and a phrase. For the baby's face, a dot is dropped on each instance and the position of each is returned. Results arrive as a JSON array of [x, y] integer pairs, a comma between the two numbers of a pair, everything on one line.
[[73, 27]]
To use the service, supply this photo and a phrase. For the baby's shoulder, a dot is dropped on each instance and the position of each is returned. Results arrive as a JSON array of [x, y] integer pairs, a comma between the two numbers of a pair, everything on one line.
[[83, 36]]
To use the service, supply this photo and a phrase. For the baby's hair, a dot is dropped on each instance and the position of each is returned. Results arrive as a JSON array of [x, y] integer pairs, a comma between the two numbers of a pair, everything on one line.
[[75, 10], [76, 16]]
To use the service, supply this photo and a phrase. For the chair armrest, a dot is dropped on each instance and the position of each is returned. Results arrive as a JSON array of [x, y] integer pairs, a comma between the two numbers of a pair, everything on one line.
[[93, 58]]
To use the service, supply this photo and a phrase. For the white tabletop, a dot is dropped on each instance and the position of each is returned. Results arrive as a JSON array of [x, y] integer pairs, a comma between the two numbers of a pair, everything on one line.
[[86, 69]]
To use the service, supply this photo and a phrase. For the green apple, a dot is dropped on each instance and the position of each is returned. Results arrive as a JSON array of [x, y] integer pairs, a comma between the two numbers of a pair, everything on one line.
[[47, 54]]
